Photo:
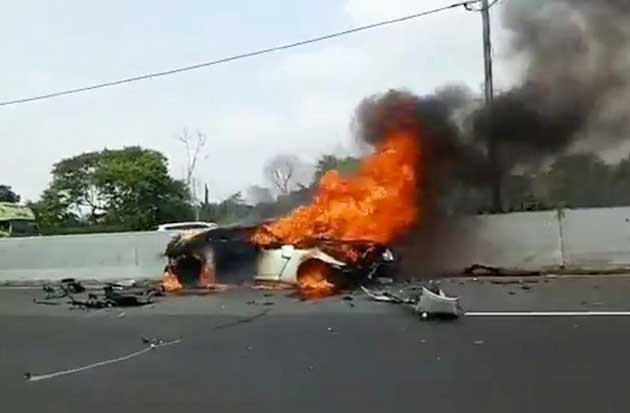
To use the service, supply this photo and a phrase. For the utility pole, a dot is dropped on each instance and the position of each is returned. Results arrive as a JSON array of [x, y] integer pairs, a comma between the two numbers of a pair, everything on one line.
[[493, 155]]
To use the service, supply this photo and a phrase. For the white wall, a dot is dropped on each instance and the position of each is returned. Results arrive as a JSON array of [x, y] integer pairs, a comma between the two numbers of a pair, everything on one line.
[[89, 256], [597, 238], [523, 240]]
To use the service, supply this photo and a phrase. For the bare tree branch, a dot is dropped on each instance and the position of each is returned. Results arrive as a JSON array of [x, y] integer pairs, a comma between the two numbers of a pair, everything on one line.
[[194, 143], [281, 172]]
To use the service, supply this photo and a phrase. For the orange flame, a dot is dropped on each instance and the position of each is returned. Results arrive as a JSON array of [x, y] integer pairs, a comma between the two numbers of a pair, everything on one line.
[[170, 282], [207, 276], [377, 204], [312, 280]]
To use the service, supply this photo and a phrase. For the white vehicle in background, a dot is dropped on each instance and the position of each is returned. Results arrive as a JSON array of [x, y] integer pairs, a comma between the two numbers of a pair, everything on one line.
[[187, 227]]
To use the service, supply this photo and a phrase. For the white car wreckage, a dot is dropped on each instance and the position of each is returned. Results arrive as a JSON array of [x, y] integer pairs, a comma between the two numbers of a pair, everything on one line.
[[226, 255]]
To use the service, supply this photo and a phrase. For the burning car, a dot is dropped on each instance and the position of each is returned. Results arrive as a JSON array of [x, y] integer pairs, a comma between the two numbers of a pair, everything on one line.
[[340, 237], [227, 255]]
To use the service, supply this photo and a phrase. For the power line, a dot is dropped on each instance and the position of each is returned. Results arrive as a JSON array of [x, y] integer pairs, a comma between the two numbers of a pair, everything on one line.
[[466, 4]]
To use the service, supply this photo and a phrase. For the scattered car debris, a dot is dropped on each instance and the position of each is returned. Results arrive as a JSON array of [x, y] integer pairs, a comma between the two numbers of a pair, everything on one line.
[[386, 296], [111, 295], [62, 289], [432, 302], [488, 270]]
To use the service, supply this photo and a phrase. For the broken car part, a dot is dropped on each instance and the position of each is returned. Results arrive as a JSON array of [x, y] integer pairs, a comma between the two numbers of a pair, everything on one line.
[[431, 302]]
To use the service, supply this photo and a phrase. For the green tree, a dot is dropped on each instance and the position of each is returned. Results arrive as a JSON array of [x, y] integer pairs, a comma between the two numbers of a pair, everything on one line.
[[620, 191], [130, 188], [7, 194], [345, 166], [577, 181]]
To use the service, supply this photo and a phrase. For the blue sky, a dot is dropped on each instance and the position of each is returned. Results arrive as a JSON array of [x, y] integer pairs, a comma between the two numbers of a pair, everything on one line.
[[298, 101]]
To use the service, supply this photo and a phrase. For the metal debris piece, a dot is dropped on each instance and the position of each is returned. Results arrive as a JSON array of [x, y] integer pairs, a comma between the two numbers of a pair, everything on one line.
[[437, 303], [45, 302], [481, 269], [431, 302], [63, 288], [385, 296], [113, 295], [385, 280]]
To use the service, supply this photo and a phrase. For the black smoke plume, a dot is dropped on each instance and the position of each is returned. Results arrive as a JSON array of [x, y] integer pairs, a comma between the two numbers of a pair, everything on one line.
[[574, 92], [575, 88]]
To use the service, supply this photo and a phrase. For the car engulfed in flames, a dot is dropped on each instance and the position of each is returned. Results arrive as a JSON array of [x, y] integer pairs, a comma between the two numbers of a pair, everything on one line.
[[341, 236], [317, 267]]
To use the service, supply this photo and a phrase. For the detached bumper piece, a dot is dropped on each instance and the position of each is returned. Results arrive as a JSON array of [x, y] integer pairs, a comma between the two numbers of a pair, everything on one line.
[[437, 303], [431, 303]]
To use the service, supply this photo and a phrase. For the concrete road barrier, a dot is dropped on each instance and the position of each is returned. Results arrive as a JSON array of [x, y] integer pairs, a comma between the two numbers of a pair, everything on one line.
[[522, 240], [596, 238], [87, 257], [591, 239]]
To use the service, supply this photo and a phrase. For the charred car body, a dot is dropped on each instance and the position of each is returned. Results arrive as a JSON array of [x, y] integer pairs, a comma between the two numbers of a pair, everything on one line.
[[227, 255]]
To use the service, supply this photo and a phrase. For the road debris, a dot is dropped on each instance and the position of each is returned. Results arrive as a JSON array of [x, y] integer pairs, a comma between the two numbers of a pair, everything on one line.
[[489, 270], [111, 295], [63, 288], [478, 342], [432, 301]]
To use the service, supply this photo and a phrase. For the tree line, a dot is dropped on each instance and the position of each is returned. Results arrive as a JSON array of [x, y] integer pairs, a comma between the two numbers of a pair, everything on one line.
[[130, 189]]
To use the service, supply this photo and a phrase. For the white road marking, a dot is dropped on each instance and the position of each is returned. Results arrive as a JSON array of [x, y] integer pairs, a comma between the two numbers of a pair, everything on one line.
[[546, 313], [101, 363]]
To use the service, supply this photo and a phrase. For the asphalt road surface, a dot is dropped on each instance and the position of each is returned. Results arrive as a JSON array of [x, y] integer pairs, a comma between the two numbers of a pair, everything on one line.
[[278, 354]]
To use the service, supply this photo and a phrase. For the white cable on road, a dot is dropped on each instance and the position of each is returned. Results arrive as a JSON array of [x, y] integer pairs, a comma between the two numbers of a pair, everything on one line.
[[547, 313], [101, 363]]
